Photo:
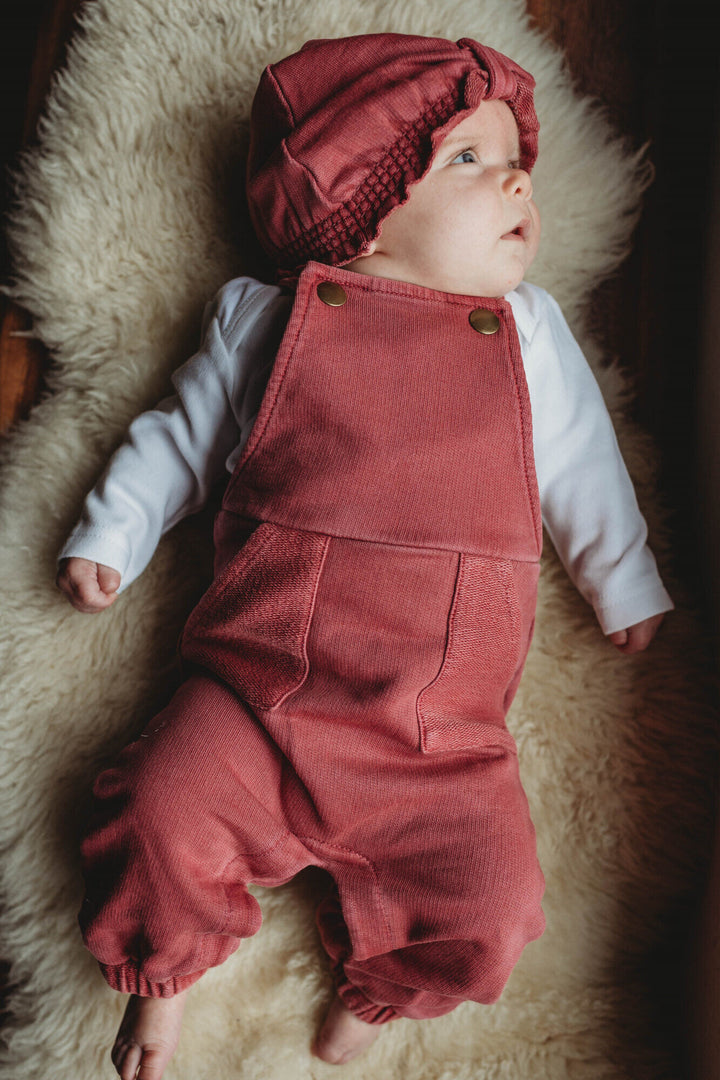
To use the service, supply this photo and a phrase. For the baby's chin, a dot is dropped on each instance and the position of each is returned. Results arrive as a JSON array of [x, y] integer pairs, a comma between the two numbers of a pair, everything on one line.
[[492, 289], [502, 285], [491, 286], [479, 284]]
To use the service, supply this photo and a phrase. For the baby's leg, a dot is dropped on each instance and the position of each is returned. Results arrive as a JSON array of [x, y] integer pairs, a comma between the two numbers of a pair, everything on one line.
[[188, 815], [148, 1036], [469, 892]]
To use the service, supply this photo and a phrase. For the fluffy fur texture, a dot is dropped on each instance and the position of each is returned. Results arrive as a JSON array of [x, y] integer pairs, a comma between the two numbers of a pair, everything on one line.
[[130, 215]]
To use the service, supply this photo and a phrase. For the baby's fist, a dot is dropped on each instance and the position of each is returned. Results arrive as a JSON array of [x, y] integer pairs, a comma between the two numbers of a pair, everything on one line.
[[89, 586], [638, 636]]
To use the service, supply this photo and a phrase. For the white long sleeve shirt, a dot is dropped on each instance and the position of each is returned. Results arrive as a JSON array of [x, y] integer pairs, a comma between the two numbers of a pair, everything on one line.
[[175, 453]]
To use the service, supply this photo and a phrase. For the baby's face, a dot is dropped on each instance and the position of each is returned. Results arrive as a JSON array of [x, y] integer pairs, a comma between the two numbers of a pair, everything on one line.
[[470, 225]]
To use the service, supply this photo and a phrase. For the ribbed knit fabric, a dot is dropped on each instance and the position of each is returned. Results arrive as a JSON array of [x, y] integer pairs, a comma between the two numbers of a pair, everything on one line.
[[350, 670]]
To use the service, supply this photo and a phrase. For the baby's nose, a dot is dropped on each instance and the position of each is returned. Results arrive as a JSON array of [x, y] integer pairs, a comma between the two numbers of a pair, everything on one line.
[[518, 182]]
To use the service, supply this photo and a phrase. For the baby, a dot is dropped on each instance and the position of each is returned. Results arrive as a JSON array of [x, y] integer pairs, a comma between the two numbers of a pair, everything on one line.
[[349, 670]]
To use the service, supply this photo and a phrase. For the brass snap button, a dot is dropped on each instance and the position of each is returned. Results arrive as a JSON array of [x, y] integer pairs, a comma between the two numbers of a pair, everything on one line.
[[331, 293], [484, 321]]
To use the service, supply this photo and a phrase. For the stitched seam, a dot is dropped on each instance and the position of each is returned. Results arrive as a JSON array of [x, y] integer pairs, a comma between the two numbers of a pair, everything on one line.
[[236, 858], [227, 577], [390, 543], [306, 633], [364, 859], [390, 287], [278, 86], [448, 645], [510, 595], [513, 614], [109, 535]]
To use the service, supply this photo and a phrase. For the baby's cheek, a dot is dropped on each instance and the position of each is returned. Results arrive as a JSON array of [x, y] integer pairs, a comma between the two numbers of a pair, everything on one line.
[[531, 252], [537, 228]]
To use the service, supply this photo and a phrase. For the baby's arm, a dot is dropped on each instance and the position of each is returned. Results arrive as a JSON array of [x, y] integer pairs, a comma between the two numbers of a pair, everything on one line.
[[174, 453], [89, 586], [588, 501]]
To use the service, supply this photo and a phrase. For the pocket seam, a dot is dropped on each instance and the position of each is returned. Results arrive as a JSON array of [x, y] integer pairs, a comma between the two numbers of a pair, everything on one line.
[[511, 601], [198, 616], [226, 576], [308, 623], [513, 613], [450, 637], [244, 560]]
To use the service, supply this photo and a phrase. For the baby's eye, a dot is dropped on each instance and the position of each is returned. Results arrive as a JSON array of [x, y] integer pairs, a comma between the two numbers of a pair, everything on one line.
[[465, 158], [514, 164]]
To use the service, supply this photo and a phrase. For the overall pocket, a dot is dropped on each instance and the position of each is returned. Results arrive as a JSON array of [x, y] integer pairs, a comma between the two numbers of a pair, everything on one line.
[[251, 626], [489, 630]]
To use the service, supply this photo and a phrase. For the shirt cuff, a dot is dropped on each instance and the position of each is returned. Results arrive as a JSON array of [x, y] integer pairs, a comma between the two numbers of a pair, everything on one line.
[[110, 549], [627, 610]]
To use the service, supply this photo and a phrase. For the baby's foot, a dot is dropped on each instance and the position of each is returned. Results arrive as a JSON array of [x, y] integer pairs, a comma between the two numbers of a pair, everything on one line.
[[343, 1036], [147, 1037]]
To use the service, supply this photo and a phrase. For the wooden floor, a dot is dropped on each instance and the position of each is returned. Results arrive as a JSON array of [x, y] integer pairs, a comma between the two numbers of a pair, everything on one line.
[[651, 63], [34, 40]]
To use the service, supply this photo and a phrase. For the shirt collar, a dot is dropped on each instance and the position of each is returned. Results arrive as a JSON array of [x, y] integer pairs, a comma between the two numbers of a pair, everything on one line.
[[524, 310]]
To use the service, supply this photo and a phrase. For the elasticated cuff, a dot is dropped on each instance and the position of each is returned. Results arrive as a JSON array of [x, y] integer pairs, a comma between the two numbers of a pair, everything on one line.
[[128, 980], [357, 1003]]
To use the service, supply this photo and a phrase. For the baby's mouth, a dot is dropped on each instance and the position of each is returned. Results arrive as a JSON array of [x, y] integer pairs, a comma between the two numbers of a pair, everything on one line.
[[520, 232]]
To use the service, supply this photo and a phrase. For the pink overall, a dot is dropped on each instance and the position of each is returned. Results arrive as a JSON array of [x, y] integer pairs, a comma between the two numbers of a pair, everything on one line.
[[349, 671]]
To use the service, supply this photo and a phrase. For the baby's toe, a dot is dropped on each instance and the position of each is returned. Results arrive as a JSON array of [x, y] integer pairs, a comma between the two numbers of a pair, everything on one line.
[[154, 1060], [126, 1056]]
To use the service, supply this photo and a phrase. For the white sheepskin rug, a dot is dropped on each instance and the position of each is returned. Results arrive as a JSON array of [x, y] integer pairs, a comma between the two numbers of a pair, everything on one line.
[[130, 215]]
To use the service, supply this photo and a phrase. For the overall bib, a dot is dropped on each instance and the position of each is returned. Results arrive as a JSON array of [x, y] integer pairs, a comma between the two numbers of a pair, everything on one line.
[[349, 671]]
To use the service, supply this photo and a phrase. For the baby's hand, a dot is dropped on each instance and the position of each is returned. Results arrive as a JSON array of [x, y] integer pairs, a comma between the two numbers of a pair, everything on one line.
[[636, 637], [89, 586]]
